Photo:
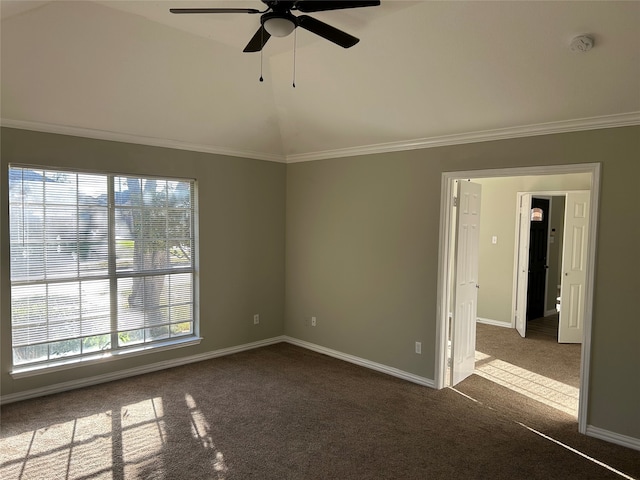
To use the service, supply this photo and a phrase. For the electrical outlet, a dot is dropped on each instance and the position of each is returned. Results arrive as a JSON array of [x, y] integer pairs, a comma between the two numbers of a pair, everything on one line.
[[313, 321], [419, 347], [256, 319]]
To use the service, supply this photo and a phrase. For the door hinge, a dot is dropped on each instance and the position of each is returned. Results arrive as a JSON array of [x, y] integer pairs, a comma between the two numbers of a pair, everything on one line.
[[455, 201]]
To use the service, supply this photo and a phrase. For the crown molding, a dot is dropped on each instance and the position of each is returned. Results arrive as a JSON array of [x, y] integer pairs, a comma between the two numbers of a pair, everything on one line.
[[137, 139], [565, 126]]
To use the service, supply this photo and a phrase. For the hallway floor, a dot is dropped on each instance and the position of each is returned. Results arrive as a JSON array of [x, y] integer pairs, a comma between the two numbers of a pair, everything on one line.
[[536, 366], [544, 325]]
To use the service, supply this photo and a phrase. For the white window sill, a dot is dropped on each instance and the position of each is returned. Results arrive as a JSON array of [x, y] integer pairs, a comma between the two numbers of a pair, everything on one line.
[[66, 364]]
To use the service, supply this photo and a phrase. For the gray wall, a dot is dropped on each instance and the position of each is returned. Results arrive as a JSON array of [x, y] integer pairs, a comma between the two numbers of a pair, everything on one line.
[[361, 239], [241, 204], [499, 217], [362, 255]]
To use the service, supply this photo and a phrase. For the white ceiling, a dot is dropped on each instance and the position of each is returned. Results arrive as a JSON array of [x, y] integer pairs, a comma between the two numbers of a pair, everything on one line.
[[422, 70]]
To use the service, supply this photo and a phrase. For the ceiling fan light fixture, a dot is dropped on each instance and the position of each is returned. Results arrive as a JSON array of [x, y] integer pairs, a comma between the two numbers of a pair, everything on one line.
[[279, 26]]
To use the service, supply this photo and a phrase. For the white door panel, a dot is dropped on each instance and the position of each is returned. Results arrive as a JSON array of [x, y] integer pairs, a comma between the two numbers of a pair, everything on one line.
[[574, 268], [523, 264], [466, 281]]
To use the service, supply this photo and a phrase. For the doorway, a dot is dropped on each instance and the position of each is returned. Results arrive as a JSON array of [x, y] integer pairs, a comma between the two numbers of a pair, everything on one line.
[[538, 255], [446, 260], [569, 272]]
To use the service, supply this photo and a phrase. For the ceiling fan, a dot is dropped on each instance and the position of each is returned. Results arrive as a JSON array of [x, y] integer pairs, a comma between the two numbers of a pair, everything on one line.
[[278, 21]]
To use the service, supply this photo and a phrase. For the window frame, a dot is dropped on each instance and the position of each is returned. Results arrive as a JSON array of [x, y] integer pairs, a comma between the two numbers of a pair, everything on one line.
[[113, 276]]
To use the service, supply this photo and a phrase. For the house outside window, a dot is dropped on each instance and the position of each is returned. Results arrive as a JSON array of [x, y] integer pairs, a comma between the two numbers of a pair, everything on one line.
[[101, 265]]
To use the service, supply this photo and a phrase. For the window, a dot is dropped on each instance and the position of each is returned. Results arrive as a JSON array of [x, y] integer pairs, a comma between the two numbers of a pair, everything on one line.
[[100, 264]]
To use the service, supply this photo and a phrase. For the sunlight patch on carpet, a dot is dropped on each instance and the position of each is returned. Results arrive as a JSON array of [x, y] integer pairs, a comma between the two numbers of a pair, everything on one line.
[[125, 442], [143, 434], [543, 389], [80, 447], [201, 430], [109, 445]]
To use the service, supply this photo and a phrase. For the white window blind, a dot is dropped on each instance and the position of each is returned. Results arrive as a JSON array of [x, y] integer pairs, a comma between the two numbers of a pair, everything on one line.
[[99, 263]]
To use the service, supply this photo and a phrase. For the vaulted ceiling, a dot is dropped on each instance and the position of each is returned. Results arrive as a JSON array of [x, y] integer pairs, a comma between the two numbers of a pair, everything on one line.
[[422, 71]]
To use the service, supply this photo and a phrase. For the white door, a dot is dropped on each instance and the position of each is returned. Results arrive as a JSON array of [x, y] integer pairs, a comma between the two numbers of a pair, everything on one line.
[[574, 264], [465, 292], [523, 264]]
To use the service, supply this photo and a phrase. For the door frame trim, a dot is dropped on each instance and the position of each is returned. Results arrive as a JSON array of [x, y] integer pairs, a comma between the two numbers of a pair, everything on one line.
[[445, 259]]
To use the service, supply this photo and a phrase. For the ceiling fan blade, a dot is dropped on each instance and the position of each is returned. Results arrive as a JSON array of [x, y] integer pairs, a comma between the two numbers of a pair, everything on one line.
[[327, 31], [309, 6], [214, 10], [257, 41]]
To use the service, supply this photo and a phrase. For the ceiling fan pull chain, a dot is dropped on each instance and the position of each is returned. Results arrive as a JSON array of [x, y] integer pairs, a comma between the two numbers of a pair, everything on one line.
[[262, 42], [295, 38]]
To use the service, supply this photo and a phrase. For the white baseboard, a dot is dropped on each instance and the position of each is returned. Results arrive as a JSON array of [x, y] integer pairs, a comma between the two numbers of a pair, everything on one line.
[[496, 323], [362, 362], [596, 432], [131, 372], [154, 367], [618, 439]]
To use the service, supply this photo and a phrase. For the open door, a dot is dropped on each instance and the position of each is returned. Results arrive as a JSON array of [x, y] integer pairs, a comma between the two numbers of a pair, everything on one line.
[[465, 286], [523, 264], [574, 267], [538, 257]]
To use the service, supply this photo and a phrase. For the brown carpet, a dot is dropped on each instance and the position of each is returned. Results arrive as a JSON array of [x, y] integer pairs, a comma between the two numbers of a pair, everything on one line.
[[537, 367], [545, 374], [282, 412]]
